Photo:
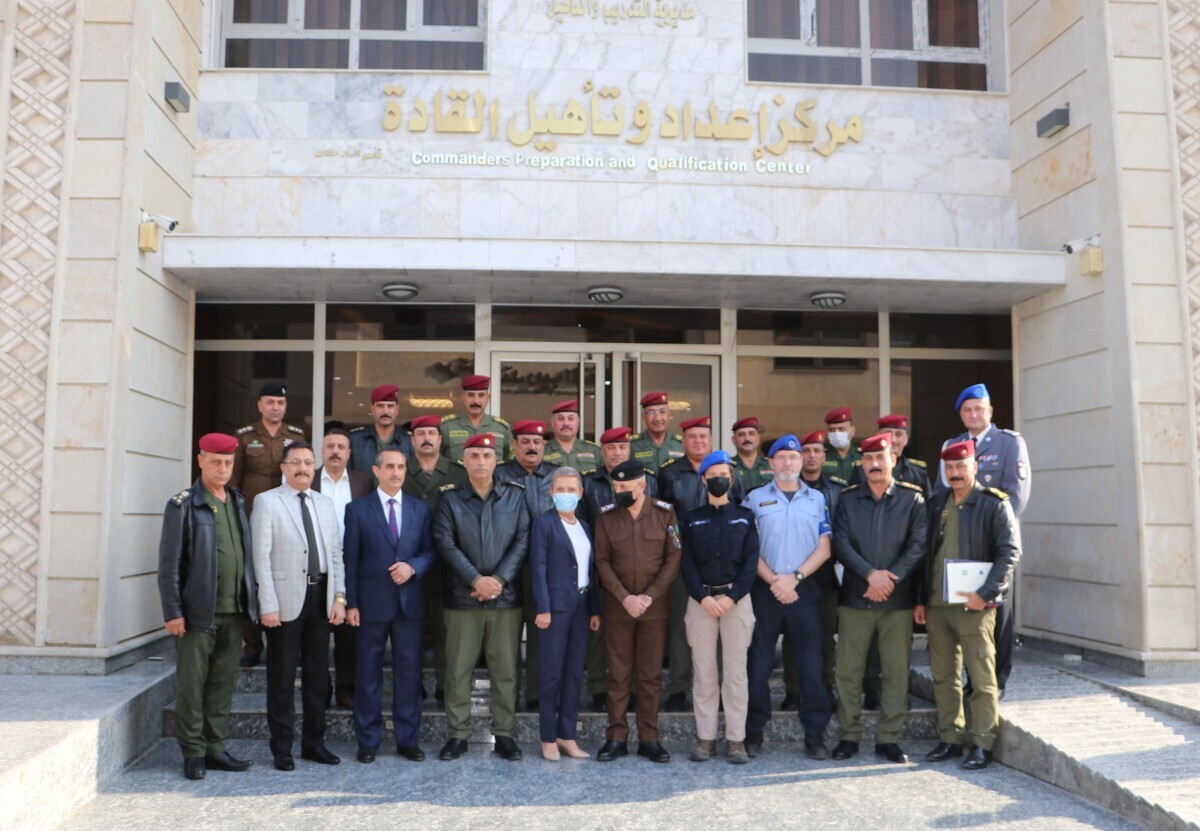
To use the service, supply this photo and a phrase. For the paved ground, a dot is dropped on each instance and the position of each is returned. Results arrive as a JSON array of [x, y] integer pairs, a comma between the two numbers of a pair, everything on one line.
[[780, 789]]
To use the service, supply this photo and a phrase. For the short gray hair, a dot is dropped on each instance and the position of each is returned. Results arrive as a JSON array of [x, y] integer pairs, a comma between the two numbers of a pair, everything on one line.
[[566, 470]]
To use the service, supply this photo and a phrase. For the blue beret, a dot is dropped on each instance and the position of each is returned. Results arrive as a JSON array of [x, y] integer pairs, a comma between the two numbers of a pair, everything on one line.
[[717, 457], [786, 442], [973, 391]]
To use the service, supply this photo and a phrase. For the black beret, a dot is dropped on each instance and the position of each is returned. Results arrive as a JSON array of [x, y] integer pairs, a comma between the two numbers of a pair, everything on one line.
[[628, 471], [276, 388]]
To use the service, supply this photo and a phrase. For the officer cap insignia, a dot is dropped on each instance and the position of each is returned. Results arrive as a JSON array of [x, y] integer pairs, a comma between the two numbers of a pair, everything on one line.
[[997, 493], [248, 428], [608, 507]]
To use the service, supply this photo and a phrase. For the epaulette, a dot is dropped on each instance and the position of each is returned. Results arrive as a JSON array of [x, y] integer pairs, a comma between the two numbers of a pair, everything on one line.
[[610, 506], [849, 488], [459, 462], [917, 462], [666, 506], [450, 417], [667, 464], [837, 480], [650, 472], [635, 436], [858, 462], [996, 492], [182, 495], [502, 421], [357, 429], [247, 429], [678, 436], [1010, 432], [514, 484], [912, 487], [295, 429], [449, 486]]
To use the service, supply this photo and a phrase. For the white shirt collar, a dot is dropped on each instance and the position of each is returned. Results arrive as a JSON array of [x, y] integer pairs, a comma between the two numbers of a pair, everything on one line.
[[383, 498]]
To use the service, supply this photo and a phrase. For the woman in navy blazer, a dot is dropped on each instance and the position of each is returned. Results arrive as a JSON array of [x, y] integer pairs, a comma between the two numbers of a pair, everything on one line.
[[568, 605]]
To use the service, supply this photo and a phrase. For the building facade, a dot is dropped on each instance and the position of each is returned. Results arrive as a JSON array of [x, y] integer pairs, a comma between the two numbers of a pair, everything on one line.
[[768, 207]]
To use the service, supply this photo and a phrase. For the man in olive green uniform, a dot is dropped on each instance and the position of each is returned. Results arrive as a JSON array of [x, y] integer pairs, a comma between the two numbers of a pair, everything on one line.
[[908, 470], [841, 457], [430, 473], [256, 469], [473, 419], [206, 583], [367, 442], [655, 446], [565, 447], [749, 465]]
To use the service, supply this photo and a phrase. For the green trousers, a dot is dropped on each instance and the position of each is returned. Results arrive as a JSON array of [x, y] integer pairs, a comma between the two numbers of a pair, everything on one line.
[[205, 676], [958, 636], [856, 627], [496, 633]]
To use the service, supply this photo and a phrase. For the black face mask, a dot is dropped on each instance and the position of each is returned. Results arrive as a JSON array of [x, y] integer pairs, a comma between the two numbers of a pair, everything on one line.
[[718, 485], [624, 499]]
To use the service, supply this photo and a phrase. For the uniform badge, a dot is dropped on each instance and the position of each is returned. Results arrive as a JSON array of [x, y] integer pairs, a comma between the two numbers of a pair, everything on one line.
[[1022, 470], [768, 502], [254, 445], [608, 508], [459, 434]]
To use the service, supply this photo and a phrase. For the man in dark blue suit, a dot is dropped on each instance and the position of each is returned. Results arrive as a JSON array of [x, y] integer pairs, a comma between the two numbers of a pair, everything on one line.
[[388, 549]]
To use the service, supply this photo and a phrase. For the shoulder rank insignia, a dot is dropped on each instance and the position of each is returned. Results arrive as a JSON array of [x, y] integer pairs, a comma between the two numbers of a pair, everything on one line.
[[858, 462], [666, 506], [449, 486], [1010, 432], [520, 485], [666, 464], [182, 495], [295, 429], [450, 417], [610, 506], [837, 480], [849, 488], [502, 421], [917, 462], [248, 428], [678, 436], [996, 492], [635, 437], [357, 429], [912, 487]]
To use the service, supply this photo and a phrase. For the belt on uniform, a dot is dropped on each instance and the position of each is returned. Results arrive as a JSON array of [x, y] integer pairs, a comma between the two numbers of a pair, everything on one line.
[[717, 591], [316, 581]]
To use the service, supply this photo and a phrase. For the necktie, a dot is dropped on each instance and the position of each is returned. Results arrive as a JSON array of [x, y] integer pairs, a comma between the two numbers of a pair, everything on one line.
[[314, 560], [393, 525]]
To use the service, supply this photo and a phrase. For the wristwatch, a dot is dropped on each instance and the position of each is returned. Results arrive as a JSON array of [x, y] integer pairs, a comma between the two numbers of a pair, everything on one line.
[[799, 576]]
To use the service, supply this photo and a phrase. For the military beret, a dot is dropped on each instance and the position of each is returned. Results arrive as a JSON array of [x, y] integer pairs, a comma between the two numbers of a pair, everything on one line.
[[748, 421], [702, 421], [652, 399], [894, 422], [717, 457], [476, 382], [838, 415], [571, 406], [484, 440], [874, 444], [425, 421], [973, 391], [275, 388], [815, 437], [627, 471], [959, 450], [385, 392], [218, 443], [616, 434], [784, 442], [529, 427]]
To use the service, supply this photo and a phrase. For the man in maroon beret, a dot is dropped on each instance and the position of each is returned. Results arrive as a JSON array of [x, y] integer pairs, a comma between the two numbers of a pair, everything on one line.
[[841, 457], [366, 442], [906, 469], [654, 446], [206, 582], [473, 419], [749, 464], [565, 447]]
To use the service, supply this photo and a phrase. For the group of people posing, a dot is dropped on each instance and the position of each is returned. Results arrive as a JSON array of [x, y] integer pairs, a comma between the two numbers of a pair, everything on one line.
[[612, 559]]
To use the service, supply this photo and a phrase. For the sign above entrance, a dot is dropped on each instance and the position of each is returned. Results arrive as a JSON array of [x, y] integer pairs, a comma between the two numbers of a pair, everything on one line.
[[661, 14]]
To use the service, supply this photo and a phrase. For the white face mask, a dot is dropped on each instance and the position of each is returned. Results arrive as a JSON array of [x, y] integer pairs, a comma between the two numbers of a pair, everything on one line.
[[839, 440]]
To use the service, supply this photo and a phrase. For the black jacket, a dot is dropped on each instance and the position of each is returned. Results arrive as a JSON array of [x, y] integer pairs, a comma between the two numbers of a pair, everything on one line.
[[720, 547], [187, 558], [598, 492], [493, 545], [889, 534], [987, 533]]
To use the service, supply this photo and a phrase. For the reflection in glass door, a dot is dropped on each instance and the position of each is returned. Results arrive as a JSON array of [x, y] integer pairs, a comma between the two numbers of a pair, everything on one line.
[[528, 385], [692, 382]]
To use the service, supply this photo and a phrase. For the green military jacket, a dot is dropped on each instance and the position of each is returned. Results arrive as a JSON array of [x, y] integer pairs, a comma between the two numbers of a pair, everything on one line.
[[652, 456], [839, 467], [584, 456], [457, 428], [753, 477]]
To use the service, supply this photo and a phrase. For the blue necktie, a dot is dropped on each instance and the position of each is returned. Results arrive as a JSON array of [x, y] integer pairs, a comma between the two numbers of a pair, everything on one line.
[[393, 525]]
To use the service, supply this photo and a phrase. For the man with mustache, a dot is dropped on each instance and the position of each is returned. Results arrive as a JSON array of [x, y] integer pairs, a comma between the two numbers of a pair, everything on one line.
[[365, 443], [473, 419], [653, 447], [750, 466], [565, 447], [429, 474], [840, 456], [879, 536], [906, 469]]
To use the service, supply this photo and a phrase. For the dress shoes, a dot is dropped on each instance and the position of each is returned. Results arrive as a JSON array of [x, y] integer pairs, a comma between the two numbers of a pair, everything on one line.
[[944, 751], [193, 767], [366, 755], [506, 748], [892, 752], [676, 703], [600, 702], [223, 761], [814, 748], [452, 749], [611, 750], [285, 763], [411, 752], [790, 702], [977, 759], [871, 701], [844, 750], [653, 751], [320, 755], [754, 743]]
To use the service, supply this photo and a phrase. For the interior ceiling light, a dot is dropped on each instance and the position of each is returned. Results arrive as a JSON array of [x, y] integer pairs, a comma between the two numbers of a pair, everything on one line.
[[828, 299], [400, 291], [605, 294]]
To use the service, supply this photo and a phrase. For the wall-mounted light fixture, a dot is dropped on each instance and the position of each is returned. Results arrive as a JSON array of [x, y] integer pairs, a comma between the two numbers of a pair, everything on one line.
[[1054, 122], [177, 97]]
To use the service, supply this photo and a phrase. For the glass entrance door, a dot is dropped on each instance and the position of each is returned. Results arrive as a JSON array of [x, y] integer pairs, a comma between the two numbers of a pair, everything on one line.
[[692, 381], [531, 383]]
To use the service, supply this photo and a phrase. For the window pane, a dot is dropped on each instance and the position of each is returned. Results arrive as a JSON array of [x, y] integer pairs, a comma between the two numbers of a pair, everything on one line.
[[929, 75], [254, 321], [387, 54], [585, 325], [260, 11], [386, 15], [287, 54], [952, 331], [690, 386], [805, 69], [529, 389], [327, 14], [837, 23], [429, 383], [381, 321], [767, 328], [774, 18], [793, 398], [954, 23], [891, 24], [451, 12]]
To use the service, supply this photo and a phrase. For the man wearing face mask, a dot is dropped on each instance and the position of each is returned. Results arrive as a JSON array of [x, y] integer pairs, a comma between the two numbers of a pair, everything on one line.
[[841, 458]]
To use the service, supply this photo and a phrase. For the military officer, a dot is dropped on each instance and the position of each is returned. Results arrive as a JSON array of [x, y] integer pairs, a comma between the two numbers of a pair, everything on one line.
[[472, 419], [840, 455], [365, 443], [655, 446], [907, 469], [749, 465], [429, 474], [566, 447]]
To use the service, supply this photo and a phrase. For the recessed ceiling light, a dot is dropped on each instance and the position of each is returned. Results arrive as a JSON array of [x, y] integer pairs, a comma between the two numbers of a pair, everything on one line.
[[605, 294], [828, 299], [400, 291]]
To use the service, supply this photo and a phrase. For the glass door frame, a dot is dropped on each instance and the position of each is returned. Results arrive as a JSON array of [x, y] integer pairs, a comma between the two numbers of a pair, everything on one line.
[[555, 353]]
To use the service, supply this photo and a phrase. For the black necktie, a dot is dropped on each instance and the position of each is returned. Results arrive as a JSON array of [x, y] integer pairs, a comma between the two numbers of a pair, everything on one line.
[[314, 560]]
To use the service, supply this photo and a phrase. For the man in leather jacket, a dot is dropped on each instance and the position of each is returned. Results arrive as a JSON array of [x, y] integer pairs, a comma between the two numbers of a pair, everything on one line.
[[481, 532], [968, 522], [879, 534], [206, 582]]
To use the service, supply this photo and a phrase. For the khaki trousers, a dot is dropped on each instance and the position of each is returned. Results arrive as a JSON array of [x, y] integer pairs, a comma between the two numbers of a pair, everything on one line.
[[958, 636], [710, 686]]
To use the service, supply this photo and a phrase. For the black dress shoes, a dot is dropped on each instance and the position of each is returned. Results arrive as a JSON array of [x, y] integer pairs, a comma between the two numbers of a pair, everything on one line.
[[654, 751], [814, 748], [285, 763], [871, 701], [366, 755], [506, 748], [452, 749], [600, 702], [321, 756], [944, 751], [611, 750], [790, 702], [193, 767], [754, 743], [844, 750], [223, 761], [676, 703], [411, 752], [977, 759], [892, 752]]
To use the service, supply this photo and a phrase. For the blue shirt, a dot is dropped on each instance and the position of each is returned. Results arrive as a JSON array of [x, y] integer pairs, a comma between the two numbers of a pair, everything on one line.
[[788, 530]]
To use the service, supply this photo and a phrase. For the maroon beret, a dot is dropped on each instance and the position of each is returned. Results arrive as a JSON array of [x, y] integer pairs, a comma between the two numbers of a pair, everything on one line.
[[615, 435], [815, 437], [481, 440], [875, 443], [425, 421], [959, 450], [702, 421], [652, 399], [386, 392], [571, 406], [529, 427], [476, 382], [894, 421], [837, 415], [218, 443], [748, 421]]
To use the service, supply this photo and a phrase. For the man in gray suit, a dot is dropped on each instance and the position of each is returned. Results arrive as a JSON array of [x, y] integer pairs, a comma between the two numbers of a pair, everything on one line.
[[302, 588]]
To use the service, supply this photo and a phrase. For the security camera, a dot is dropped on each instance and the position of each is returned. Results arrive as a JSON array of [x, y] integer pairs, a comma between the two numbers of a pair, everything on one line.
[[167, 223], [1077, 245]]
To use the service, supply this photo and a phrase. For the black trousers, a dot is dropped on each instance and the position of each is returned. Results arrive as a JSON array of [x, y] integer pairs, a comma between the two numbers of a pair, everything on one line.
[[302, 642]]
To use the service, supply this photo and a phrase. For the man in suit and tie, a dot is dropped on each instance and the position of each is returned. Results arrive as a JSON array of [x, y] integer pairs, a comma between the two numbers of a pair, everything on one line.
[[341, 485], [301, 590], [389, 549]]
